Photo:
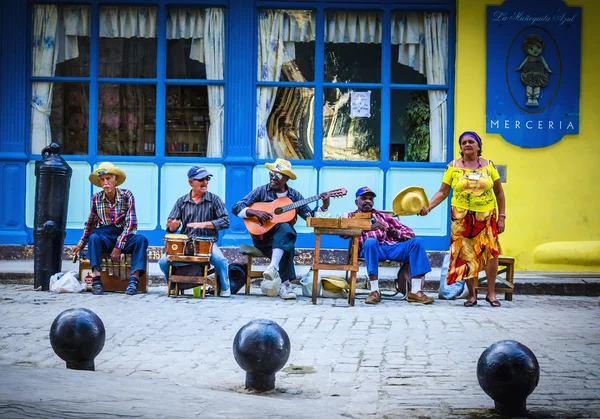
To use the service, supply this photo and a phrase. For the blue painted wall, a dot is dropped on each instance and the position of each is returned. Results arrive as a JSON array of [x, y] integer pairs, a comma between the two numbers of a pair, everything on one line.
[[157, 180]]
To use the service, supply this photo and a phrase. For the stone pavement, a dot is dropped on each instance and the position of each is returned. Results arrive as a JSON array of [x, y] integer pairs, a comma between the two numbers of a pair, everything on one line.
[[172, 357]]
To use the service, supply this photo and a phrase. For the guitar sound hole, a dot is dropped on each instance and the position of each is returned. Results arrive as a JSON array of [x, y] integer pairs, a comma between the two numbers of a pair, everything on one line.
[[278, 211]]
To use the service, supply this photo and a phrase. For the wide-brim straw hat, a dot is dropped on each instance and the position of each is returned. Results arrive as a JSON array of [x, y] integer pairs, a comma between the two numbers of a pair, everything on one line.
[[334, 283], [282, 166], [410, 201], [107, 168]]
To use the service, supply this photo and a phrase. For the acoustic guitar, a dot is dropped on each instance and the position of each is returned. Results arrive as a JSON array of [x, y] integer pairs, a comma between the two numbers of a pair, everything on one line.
[[283, 211]]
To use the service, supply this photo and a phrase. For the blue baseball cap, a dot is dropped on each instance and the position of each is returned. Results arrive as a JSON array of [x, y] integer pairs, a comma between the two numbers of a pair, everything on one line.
[[364, 190], [198, 172]]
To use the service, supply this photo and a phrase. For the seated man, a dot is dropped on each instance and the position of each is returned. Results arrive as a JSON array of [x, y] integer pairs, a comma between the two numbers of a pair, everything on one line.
[[111, 227], [278, 243], [200, 213], [388, 239]]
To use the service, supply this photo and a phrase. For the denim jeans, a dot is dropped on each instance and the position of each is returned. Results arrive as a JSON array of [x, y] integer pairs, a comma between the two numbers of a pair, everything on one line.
[[103, 240], [410, 251], [217, 259]]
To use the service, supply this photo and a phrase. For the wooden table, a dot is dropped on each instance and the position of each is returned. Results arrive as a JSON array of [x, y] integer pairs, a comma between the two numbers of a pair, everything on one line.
[[203, 279]]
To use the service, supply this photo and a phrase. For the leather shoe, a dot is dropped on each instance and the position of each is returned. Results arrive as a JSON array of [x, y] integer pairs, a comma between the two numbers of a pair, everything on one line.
[[419, 297], [374, 297]]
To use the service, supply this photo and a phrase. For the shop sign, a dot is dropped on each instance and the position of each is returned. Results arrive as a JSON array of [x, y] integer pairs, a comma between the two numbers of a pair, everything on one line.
[[533, 71]]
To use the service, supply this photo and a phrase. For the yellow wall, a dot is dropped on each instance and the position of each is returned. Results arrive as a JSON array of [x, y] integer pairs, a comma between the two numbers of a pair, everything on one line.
[[552, 193]]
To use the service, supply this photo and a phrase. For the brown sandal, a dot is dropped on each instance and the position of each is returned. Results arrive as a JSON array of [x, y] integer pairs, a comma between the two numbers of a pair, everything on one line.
[[470, 303], [494, 303]]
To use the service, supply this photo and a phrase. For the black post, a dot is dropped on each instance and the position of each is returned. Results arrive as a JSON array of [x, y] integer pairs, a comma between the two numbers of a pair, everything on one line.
[[53, 178], [261, 348]]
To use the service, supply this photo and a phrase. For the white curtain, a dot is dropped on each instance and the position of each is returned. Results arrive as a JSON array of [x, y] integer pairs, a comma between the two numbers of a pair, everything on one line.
[[353, 27], [127, 22], [214, 34], [423, 46], [271, 56], [189, 23], [54, 40]]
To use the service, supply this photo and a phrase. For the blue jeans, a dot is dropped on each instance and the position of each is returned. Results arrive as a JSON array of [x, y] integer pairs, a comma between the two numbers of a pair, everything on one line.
[[410, 251], [217, 259], [103, 240]]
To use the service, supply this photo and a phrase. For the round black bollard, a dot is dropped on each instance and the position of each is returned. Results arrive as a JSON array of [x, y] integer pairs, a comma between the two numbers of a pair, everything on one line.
[[508, 372], [261, 348], [53, 177], [77, 336]]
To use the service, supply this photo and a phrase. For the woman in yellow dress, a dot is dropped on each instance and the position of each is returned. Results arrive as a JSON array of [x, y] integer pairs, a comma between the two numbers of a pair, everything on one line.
[[475, 224]]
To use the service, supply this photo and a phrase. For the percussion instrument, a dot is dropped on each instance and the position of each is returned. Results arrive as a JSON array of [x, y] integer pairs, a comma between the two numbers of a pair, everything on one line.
[[203, 246], [175, 244]]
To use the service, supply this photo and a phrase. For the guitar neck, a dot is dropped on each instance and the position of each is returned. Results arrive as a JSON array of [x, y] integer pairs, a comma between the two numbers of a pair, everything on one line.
[[300, 203]]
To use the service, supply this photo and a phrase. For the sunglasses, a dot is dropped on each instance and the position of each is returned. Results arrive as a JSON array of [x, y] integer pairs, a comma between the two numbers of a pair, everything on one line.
[[275, 175], [207, 178]]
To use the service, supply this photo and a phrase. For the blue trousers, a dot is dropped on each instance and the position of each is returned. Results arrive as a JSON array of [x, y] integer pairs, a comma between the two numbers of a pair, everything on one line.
[[410, 251], [103, 240], [284, 238], [217, 259]]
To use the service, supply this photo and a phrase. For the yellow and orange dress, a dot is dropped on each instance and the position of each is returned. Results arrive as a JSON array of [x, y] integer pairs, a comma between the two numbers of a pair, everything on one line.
[[474, 234]]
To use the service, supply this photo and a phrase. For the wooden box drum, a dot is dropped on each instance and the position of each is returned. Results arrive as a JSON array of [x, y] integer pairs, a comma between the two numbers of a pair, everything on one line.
[[176, 244], [203, 246]]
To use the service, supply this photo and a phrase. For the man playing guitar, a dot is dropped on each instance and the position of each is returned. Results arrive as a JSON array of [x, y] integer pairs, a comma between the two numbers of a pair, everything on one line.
[[279, 242]]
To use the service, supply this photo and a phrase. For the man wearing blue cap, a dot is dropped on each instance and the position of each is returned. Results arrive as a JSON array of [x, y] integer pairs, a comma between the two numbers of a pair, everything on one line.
[[200, 213], [389, 239]]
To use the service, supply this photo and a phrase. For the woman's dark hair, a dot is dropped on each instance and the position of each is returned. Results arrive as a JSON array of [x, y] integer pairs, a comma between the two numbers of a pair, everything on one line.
[[474, 136]]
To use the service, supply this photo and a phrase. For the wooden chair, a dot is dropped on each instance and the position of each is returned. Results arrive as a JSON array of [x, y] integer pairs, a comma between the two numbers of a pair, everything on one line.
[[506, 264], [179, 283]]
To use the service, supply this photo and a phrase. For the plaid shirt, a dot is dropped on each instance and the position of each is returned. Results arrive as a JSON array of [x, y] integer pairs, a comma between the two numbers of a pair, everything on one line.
[[105, 213], [404, 232]]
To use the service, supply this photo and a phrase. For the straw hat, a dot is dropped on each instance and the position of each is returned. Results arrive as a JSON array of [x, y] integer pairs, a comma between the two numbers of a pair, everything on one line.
[[334, 283], [410, 201], [282, 166], [107, 168]]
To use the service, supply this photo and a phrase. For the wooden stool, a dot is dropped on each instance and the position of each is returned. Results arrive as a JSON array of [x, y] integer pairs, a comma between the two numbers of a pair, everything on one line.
[[252, 252], [194, 281], [506, 264]]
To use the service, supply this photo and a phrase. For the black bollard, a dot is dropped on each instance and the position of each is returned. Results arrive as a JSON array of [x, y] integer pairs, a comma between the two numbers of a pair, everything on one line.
[[508, 372], [261, 348], [53, 177], [77, 336]]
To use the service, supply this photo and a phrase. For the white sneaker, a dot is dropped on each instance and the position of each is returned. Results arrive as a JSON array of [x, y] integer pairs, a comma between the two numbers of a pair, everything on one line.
[[225, 294], [271, 282], [286, 291]]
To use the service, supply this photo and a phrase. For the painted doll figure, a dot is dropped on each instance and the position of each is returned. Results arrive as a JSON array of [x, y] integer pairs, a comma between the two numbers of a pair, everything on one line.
[[533, 68]]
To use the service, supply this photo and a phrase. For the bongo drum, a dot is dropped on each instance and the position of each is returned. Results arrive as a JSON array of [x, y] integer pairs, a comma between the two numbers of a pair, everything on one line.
[[176, 243], [203, 246]]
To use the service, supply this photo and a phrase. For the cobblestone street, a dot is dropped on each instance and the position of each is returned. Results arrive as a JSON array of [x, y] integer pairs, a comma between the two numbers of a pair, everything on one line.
[[395, 359]]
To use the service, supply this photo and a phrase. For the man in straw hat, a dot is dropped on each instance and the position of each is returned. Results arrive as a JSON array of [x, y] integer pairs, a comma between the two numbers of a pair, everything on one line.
[[111, 227], [389, 239], [200, 213], [279, 243]]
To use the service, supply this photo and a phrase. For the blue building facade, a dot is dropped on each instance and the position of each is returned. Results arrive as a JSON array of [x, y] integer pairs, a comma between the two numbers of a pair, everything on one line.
[[352, 93]]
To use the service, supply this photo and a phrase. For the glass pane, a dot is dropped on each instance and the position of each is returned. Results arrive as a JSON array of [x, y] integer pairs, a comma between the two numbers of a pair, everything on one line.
[[69, 117], [189, 54], [412, 36], [126, 119], [346, 137], [127, 41], [352, 47], [286, 47], [410, 124], [288, 132], [189, 131], [60, 40]]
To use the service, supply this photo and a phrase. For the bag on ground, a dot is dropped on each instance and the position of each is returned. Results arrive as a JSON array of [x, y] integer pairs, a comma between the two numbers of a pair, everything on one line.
[[449, 292], [66, 282]]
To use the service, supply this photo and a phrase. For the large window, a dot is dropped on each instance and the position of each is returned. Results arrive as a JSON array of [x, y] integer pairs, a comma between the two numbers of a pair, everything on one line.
[[354, 85], [141, 101]]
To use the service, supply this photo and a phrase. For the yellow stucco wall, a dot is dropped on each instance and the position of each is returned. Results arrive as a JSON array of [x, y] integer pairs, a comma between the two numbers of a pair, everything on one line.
[[552, 193]]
